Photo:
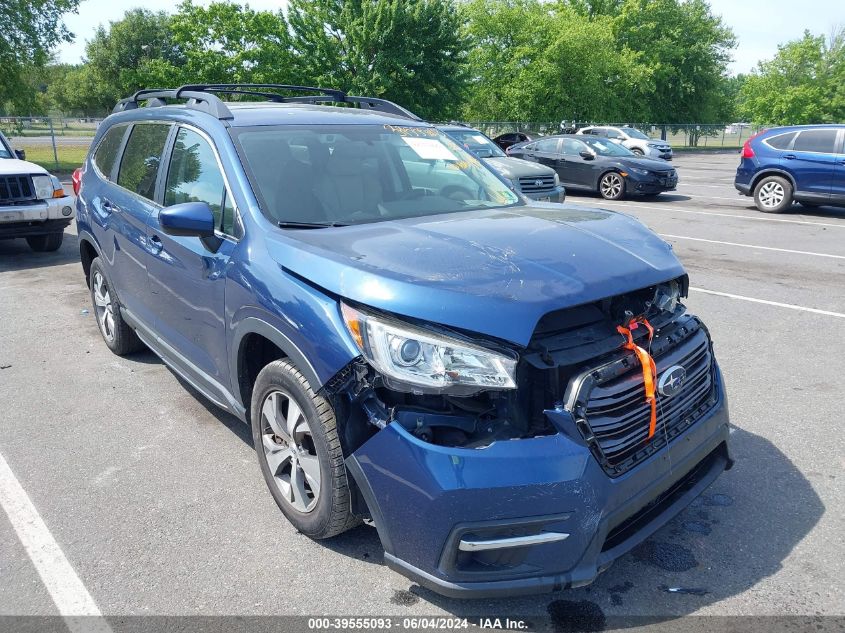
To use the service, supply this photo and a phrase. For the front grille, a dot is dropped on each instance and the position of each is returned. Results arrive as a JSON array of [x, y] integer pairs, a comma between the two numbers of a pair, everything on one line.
[[16, 189], [615, 416], [537, 184]]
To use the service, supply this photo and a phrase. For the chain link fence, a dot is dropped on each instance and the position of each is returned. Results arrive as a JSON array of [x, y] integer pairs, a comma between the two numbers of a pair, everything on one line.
[[55, 143], [680, 136], [60, 144]]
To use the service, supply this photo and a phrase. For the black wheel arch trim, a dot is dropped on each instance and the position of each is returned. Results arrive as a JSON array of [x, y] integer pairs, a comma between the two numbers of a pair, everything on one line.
[[254, 325], [772, 172]]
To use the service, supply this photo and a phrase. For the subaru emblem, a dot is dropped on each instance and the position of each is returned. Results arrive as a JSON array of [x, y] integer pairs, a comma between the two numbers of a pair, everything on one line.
[[672, 381]]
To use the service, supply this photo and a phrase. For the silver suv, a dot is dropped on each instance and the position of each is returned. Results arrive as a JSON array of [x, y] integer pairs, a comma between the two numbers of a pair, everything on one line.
[[632, 138]]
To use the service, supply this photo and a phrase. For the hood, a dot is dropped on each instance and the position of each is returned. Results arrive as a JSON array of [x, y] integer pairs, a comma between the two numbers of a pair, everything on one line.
[[493, 272], [653, 164], [9, 166], [513, 168]]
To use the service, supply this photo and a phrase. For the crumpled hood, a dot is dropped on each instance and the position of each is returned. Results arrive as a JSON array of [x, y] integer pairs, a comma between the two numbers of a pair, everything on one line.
[[514, 168], [494, 272], [9, 166]]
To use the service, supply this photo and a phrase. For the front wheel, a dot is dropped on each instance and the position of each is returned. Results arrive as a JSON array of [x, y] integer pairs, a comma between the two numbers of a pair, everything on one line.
[[295, 435], [638, 151], [773, 194], [612, 186], [45, 243]]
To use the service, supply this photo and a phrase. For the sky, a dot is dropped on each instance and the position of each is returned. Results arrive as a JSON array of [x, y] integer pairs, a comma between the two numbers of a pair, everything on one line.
[[760, 25]]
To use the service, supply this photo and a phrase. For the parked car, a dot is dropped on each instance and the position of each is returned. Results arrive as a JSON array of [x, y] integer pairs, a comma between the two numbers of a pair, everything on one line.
[[638, 142], [597, 164], [800, 163], [463, 367], [537, 182], [33, 203], [512, 138]]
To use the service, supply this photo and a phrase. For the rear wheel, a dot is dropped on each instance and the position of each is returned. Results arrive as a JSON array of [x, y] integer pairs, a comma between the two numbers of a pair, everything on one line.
[[45, 243], [295, 435], [118, 336], [612, 186], [773, 194]]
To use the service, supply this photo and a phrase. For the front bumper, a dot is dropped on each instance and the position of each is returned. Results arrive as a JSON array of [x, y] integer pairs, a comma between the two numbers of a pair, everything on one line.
[[426, 499], [557, 195], [49, 214], [658, 153], [637, 184]]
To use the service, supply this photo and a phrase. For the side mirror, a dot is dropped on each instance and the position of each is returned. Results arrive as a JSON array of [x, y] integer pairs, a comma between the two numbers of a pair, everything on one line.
[[189, 219], [586, 155], [21, 154]]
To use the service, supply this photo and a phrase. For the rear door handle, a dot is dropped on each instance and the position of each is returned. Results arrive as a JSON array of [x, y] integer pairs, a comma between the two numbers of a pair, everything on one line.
[[155, 244], [790, 157], [108, 205]]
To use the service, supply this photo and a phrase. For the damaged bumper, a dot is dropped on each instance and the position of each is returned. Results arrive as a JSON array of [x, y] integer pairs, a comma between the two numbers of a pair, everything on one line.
[[526, 515]]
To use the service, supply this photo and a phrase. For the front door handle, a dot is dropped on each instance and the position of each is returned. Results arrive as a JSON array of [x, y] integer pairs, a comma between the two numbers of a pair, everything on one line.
[[155, 244], [108, 205], [790, 157]]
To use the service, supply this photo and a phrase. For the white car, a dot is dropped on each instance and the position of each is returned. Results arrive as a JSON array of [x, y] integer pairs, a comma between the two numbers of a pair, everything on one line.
[[33, 203], [632, 138]]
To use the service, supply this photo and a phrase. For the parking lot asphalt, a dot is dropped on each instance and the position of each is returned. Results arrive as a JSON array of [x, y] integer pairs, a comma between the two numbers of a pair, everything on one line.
[[156, 501]]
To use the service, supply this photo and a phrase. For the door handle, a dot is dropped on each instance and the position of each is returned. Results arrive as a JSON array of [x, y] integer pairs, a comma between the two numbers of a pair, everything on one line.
[[108, 206], [155, 244], [789, 156]]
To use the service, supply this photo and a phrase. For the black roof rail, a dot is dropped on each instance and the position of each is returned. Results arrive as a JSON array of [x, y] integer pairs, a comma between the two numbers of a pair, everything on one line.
[[201, 97]]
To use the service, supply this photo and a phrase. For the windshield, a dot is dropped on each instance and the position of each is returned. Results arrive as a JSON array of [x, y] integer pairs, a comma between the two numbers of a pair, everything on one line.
[[352, 174], [604, 147], [634, 133], [5, 152], [476, 142]]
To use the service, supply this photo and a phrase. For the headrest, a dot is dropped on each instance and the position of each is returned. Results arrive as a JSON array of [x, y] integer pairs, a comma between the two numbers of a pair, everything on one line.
[[347, 159]]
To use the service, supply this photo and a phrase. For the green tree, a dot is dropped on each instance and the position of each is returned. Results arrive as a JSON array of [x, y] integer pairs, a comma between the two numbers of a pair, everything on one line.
[[409, 51], [31, 28], [138, 51], [230, 43], [803, 83], [687, 49], [533, 62]]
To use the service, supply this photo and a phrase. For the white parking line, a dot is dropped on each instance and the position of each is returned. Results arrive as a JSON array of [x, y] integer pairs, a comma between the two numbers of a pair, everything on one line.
[[662, 207], [66, 589], [763, 248], [791, 306]]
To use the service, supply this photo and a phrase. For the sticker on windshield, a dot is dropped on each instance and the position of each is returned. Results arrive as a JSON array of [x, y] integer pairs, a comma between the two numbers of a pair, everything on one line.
[[429, 148]]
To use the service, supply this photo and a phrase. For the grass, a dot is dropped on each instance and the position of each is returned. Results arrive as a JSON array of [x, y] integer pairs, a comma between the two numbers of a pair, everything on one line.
[[70, 157]]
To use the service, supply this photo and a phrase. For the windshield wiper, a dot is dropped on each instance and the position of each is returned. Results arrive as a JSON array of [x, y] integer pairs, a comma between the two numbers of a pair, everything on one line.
[[308, 225]]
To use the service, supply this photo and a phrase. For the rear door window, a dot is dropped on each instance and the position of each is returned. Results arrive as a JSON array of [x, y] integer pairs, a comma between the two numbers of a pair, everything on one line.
[[819, 141], [141, 159], [194, 176], [107, 150]]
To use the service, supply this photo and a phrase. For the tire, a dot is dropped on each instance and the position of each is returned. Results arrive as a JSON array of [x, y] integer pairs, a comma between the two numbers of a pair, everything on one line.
[[287, 439], [612, 186], [45, 243], [117, 335], [638, 151], [773, 194]]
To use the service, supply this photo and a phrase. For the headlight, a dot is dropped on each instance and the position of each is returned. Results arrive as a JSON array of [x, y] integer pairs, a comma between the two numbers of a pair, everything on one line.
[[641, 172], [667, 296], [653, 145], [557, 179], [510, 183], [413, 359], [47, 186]]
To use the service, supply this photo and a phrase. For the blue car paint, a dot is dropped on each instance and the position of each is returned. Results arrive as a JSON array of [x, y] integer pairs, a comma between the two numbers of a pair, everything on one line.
[[815, 177], [195, 307]]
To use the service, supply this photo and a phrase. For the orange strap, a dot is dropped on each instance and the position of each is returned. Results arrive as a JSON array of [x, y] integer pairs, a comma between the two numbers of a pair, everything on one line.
[[647, 362]]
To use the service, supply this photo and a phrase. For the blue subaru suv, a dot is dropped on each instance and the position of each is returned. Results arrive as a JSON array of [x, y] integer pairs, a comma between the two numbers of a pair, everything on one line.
[[511, 391], [801, 163]]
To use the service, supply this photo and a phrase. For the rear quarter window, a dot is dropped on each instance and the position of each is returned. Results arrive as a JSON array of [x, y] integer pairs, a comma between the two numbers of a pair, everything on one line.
[[107, 150], [780, 141], [819, 141], [142, 157]]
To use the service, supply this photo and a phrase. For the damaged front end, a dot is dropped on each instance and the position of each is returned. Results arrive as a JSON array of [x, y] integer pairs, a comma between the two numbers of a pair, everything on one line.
[[490, 469]]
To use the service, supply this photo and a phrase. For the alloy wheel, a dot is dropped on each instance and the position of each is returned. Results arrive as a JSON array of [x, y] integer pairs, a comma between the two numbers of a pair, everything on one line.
[[611, 185], [771, 194], [103, 306], [289, 451]]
